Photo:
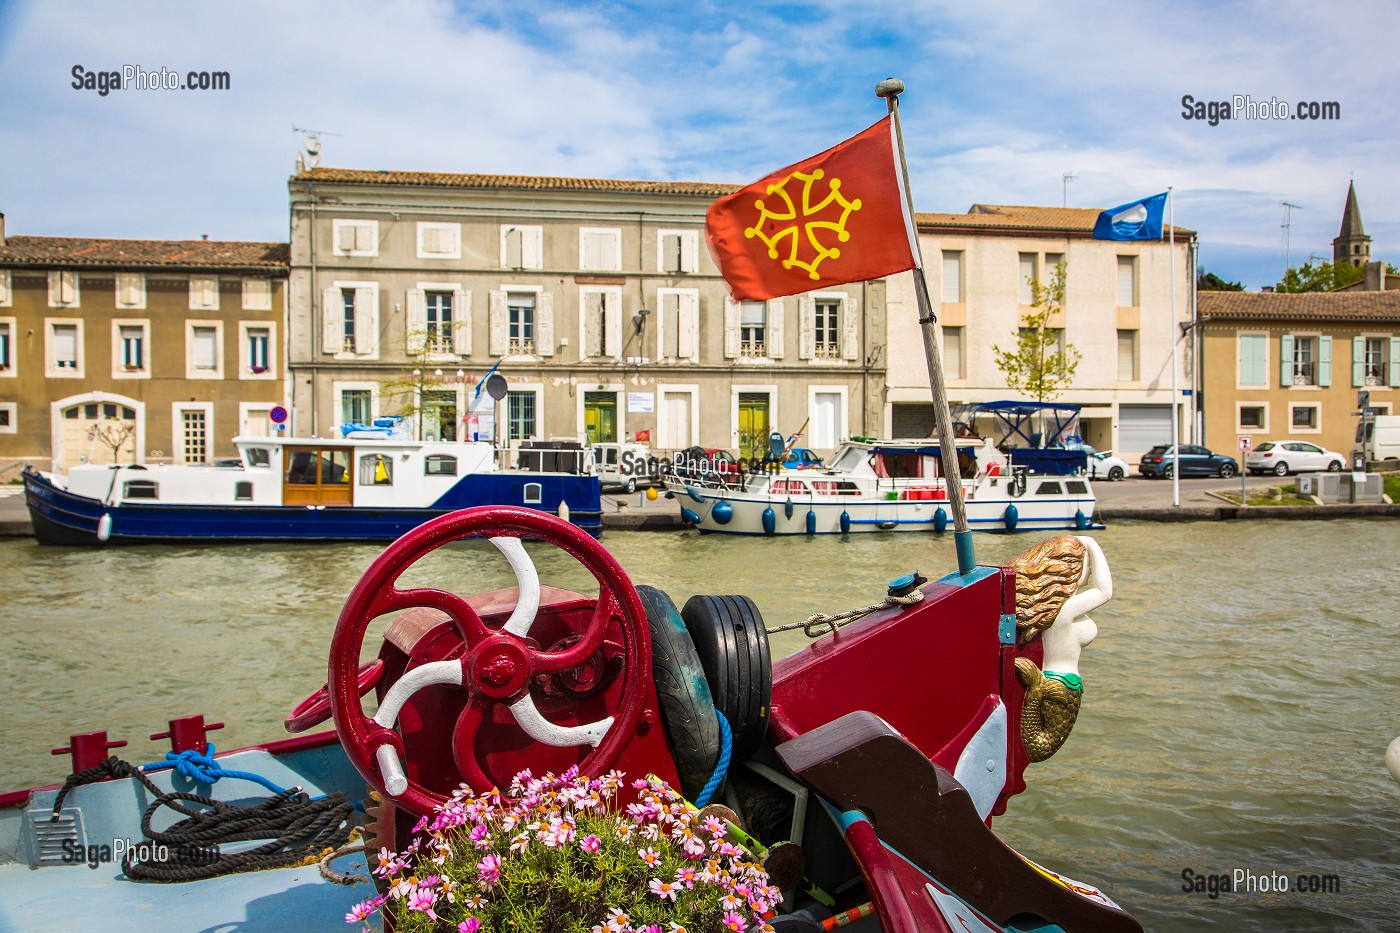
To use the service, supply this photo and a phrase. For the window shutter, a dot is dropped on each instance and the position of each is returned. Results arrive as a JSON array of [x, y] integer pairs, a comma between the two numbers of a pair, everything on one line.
[[544, 325], [332, 321], [432, 240], [1358, 361], [807, 327], [1025, 275], [532, 248], [417, 324], [364, 320], [345, 238], [364, 239], [775, 329], [512, 256], [593, 336], [1125, 282], [1394, 362], [54, 288], [688, 318], [1324, 361], [690, 253], [952, 276], [462, 322], [612, 314], [4, 286], [731, 328], [1285, 360], [850, 332], [498, 337]]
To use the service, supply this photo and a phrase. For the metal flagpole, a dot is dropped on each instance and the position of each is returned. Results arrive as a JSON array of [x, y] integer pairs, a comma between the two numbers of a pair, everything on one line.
[[890, 89], [1176, 407]]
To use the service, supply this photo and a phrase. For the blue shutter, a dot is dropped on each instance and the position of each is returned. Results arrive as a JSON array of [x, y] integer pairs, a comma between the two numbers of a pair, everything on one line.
[[1324, 361], [1358, 361], [1394, 361], [1285, 361]]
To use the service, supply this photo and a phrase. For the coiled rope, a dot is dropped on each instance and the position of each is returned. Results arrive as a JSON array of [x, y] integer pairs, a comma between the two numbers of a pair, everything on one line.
[[821, 623], [296, 826]]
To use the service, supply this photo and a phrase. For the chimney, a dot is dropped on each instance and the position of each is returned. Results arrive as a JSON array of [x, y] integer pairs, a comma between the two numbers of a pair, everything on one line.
[[1266, 288], [2, 229], [1375, 277]]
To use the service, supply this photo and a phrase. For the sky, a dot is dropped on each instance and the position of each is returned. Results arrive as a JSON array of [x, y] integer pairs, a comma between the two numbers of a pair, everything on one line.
[[1002, 101]]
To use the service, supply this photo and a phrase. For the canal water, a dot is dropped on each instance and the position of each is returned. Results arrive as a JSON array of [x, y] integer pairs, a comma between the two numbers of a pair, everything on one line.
[[1239, 698]]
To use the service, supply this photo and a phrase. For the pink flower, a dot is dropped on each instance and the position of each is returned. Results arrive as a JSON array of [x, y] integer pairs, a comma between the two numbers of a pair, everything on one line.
[[488, 870], [469, 925], [422, 900], [591, 844], [686, 876], [359, 912], [650, 856], [734, 922], [663, 889]]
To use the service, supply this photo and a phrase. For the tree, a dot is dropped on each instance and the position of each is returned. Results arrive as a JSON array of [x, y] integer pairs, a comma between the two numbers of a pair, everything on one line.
[[113, 433], [1041, 365], [1210, 282], [1324, 276]]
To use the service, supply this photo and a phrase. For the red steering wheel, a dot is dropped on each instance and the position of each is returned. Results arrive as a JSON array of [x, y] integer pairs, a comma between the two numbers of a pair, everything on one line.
[[498, 665]]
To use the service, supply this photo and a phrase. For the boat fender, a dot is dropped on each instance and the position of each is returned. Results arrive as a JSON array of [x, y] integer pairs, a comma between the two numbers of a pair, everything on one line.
[[104, 527], [770, 521], [687, 706], [1010, 517], [787, 508], [694, 495], [689, 517], [811, 522], [722, 512], [732, 643], [1081, 522], [563, 510], [845, 522], [940, 520]]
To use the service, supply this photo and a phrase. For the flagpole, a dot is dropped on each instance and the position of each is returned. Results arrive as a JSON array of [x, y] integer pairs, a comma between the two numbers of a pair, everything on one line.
[[1176, 408], [890, 89]]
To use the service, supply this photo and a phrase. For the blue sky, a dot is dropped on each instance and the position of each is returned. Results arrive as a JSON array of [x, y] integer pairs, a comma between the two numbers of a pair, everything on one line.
[[1003, 99]]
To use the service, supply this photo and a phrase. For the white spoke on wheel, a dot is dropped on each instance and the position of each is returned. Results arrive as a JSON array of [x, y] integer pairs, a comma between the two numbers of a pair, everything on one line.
[[542, 730], [436, 672], [527, 604]]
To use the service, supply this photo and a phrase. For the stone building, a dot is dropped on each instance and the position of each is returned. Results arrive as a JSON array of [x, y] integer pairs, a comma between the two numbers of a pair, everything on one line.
[[596, 299], [143, 351]]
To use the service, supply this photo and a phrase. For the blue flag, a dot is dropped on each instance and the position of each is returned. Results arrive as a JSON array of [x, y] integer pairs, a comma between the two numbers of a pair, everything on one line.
[[1136, 220]]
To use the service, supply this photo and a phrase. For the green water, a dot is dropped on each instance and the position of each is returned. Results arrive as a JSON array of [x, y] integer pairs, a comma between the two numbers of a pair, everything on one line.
[[1239, 701]]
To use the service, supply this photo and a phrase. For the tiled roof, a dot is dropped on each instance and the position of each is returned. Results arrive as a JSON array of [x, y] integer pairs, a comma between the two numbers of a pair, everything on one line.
[[1021, 217], [91, 251], [1304, 306], [353, 176]]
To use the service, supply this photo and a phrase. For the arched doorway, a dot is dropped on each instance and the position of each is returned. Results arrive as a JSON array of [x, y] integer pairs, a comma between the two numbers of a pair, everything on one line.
[[97, 427]]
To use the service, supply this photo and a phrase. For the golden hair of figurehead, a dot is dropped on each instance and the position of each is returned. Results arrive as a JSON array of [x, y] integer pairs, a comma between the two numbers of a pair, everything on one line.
[[1046, 576]]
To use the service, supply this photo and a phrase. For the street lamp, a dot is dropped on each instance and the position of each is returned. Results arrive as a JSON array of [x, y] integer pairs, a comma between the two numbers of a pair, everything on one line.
[[639, 320]]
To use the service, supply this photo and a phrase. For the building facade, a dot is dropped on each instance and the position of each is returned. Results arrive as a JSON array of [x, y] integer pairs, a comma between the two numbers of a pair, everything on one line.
[[136, 351], [1289, 366], [594, 299], [1117, 313]]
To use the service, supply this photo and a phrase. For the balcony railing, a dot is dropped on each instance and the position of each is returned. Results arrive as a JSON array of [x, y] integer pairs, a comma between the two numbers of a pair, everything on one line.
[[753, 348], [827, 351], [522, 347]]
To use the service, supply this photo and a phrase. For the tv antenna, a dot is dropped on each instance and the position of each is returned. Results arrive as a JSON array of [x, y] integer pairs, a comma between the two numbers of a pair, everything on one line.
[[1064, 187], [1288, 208], [310, 156]]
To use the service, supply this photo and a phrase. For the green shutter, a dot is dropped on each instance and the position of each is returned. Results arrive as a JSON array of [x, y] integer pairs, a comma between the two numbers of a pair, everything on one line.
[[1324, 361], [1285, 361], [1253, 360], [1394, 361], [1358, 361]]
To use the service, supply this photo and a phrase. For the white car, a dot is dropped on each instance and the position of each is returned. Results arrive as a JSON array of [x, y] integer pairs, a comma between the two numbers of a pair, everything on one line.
[[1103, 465], [1283, 457]]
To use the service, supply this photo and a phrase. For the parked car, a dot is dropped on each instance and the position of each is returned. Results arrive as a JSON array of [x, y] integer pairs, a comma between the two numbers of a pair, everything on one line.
[[705, 465], [1283, 457], [1102, 465], [624, 466], [1194, 460], [802, 458]]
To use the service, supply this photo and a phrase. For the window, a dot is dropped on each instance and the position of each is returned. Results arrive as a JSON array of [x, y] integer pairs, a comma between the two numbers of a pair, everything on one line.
[[678, 323], [438, 321], [677, 251], [1052, 260], [753, 324], [1303, 418], [520, 322], [828, 329], [376, 470], [7, 362], [533, 493], [64, 348], [243, 491], [4, 288], [522, 247], [131, 358], [952, 276], [257, 294], [204, 293], [194, 437], [350, 318], [1127, 282], [1374, 361], [439, 240], [204, 349], [600, 249], [600, 321], [1253, 418], [355, 237], [133, 340], [1253, 360], [257, 341], [140, 489], [63, 290], [1127, 356], [953, 352], [355, 406], [8, 418], [1050, 488], [1305, 360], [1028, 273], [131, 290], [347, 318], [520, 415], [440, 465]]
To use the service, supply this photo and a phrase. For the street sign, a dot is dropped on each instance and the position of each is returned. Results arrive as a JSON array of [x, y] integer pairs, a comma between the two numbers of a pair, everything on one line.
[[278, 414], [1246, 442]]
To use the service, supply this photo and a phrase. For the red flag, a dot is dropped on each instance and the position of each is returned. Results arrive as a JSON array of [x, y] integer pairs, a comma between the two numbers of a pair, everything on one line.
[[841, 216], [643, 437]]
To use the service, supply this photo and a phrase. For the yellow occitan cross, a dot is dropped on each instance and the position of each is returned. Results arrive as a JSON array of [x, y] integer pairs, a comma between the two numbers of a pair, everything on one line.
[[792, 233]]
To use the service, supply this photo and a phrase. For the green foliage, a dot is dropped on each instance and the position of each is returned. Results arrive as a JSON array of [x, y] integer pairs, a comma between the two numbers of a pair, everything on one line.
[[1040, 365], [1320, 276], [1210, 282]]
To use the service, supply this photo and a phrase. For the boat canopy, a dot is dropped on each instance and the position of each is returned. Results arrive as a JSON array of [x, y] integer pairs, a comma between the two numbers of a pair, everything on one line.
[[1036, 434]]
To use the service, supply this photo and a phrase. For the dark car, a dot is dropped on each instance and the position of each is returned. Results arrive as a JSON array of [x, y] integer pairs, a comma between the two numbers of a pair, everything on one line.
[[1194, 461], [705, 465]]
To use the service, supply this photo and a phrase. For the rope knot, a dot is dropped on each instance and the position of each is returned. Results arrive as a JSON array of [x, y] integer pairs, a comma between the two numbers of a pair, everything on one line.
[[196, 766]]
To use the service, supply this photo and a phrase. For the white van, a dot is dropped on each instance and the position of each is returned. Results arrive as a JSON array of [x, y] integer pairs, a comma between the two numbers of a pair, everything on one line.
[[1384, 438], [624, 466]]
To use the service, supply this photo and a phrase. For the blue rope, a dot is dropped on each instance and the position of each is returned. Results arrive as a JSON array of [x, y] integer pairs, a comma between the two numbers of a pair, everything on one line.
[[721, 766], [204, 768]]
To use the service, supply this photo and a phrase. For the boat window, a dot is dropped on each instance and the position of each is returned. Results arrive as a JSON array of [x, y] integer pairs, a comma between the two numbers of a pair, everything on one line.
[[847, 488], [534, 493], [1049, 488], [335, 466], [831, 487], [790, 486], [440, 465], [1076, 488], [140, 489], [376, 470], [301, 471], [910, 465], [259, 457], [243, 492], [850, 459]]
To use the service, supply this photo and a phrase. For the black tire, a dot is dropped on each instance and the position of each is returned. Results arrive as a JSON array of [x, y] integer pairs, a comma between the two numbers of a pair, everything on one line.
[[1334, 466], [631, 484], [1280, 469], [687, 706], [1168, 471], [1227, 470], [732, 643], [1115, 474]]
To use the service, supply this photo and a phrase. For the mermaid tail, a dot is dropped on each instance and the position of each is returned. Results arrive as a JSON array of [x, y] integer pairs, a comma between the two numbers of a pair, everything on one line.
[[1049, 711]]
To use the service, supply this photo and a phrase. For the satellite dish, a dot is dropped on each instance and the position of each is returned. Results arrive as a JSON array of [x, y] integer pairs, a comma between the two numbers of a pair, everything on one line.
[[496, 386], [312, 143]]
